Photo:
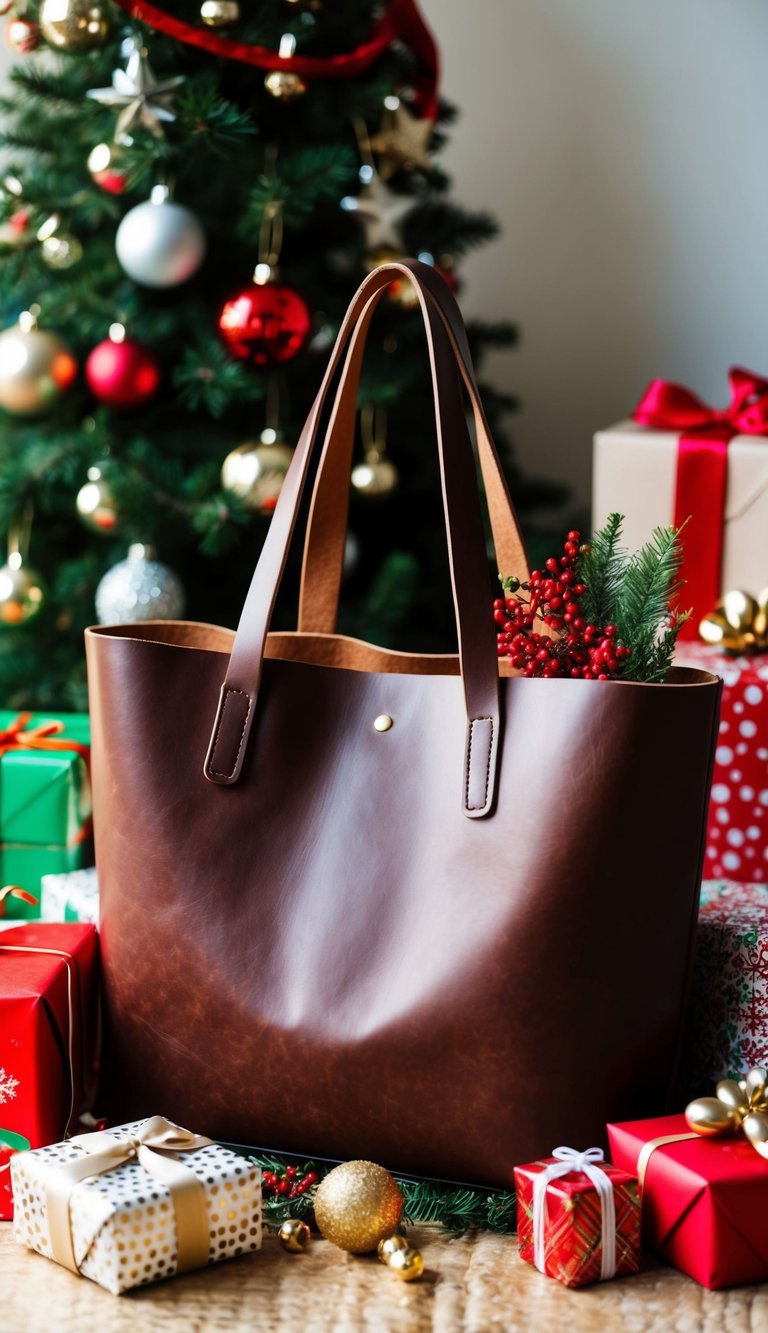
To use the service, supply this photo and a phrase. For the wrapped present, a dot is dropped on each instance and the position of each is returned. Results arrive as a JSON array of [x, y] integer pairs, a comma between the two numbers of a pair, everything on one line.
[[578, 1217], [727, 1024], [48, 1029], [141, 1202], [737, 826], [45, 799], [705, 1199], [9, 1144], [680, 459], [73, 896]]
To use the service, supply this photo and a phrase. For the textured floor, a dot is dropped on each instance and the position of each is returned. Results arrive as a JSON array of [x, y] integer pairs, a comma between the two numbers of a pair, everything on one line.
[[478, 1285]]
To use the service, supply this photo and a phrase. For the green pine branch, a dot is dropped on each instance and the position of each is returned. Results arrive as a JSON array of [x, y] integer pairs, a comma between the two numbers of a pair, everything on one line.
[[602, 568]]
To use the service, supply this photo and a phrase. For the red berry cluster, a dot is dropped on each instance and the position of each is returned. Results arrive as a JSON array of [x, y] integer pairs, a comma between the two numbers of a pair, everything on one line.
[[288, 1183], [574, 648]]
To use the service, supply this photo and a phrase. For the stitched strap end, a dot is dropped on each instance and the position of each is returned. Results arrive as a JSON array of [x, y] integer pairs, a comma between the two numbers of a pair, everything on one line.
[[480, 766], [226, 750]]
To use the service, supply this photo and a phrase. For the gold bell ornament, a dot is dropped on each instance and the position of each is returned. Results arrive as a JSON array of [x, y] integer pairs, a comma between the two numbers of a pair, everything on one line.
[[294, 1235], [405, 1262], [738, 624], [738, 1106]]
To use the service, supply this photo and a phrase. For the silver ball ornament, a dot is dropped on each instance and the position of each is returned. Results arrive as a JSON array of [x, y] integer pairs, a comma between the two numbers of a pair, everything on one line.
[[139, 588], [160, 243], [22, 592]]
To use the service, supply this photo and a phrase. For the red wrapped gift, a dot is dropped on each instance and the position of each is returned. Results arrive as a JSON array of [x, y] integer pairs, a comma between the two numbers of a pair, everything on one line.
[[705, 1200], [737, 829], [48, 1023], [578, 1217]]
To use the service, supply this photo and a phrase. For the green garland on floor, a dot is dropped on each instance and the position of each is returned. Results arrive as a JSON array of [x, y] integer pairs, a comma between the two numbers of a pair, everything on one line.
[[454, 1208]]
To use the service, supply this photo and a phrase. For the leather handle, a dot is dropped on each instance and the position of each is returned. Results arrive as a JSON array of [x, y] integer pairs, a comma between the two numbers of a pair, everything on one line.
[[323, 564], [466, 545]]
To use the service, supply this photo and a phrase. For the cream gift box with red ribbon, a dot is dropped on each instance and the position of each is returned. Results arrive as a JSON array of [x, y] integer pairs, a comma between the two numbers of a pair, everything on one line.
[[679, 459], [144, 1201]]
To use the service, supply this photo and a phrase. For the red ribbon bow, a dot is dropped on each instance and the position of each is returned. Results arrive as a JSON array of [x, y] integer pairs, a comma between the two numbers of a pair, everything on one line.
[[702, 470]]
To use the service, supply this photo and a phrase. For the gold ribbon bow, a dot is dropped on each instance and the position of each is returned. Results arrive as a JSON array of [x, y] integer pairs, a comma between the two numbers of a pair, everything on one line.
[[737, 1106], [154, 1146], [738, 624]]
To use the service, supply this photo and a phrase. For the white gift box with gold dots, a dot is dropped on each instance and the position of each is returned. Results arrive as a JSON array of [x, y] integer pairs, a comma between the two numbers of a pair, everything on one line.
[[123, 1223]]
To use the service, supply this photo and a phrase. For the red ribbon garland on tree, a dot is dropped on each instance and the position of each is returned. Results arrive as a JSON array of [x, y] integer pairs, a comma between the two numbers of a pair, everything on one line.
[[702, 470], [402, 21]]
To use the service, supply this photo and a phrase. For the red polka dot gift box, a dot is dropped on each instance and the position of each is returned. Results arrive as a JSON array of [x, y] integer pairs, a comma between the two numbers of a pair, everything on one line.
[[737, 829]]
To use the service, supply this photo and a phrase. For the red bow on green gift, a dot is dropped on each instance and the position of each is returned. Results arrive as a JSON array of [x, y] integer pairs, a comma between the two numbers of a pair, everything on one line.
[[702, 469], [18, 735]]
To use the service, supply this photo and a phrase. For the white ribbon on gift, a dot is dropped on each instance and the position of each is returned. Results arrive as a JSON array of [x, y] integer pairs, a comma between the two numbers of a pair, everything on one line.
[[568, 1159]]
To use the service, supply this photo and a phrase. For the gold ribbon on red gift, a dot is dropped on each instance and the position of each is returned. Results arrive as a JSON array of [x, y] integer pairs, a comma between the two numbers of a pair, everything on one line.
[[738, 1106], [702, 469], [19, 735], [155, 1146]]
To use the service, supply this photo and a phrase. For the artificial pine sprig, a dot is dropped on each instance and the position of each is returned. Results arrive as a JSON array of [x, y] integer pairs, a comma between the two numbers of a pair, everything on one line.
[[454, 1208], [596, 612]]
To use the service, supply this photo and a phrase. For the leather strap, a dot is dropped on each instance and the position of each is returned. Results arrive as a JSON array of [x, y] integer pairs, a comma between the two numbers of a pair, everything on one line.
[[466, 545], [323, 565]]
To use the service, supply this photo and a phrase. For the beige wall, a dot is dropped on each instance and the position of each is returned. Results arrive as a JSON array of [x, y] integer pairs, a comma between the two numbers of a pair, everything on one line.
[[623, 144]]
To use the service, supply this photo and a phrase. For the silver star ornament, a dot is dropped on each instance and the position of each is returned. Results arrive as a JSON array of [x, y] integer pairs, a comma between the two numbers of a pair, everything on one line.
[[143, 99]]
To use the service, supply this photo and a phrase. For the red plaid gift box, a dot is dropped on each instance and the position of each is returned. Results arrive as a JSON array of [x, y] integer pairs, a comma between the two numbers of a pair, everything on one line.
[[578, 1217]]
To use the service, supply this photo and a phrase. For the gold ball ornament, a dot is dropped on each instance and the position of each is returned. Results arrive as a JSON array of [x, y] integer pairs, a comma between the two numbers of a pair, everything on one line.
[[22, 593], [36, 367], [407, 1264], [74, 25], [375, 477], [294, 1235], [284, 85], [255, 472], [219, 13], [357, 1205], [96, 503], [391, 1245]]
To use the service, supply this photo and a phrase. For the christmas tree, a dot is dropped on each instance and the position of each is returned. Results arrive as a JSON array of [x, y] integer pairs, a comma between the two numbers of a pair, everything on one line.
[[150, 385]]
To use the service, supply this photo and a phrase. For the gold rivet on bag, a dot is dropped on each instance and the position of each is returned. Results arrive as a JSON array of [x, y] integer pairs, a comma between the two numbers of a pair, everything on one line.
[[383, 722]]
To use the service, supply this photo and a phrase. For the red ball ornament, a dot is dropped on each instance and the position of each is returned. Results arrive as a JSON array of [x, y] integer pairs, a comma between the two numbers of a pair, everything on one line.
[[265, 323], [120, 372], [22, 35]]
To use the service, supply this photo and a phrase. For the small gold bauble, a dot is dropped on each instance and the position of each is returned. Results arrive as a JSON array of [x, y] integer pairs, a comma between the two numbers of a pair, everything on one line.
[[22, 593], [219, 13], [35, 368], [61, 250], [96, 504], [357, 1205], [285, 85], [294, 1235], [406, 1264], [375, 477], [386, 1248], [255, 472], [73, 25]]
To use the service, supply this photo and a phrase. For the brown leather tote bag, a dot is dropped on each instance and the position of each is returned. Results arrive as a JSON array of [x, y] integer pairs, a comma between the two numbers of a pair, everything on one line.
[[362, 903]]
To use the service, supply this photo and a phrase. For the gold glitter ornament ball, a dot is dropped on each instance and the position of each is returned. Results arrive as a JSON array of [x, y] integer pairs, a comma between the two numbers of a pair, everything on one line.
[[357, 1205], [74, 25]]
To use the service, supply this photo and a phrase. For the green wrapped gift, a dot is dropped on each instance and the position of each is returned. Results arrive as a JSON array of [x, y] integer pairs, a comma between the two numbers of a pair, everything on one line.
[[45, 800]]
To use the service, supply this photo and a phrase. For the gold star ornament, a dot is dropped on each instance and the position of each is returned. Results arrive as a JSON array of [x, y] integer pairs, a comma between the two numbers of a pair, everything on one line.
[[402, 142]]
